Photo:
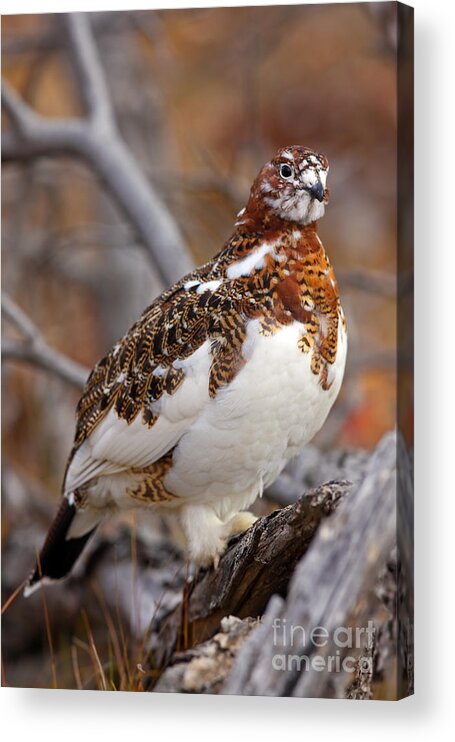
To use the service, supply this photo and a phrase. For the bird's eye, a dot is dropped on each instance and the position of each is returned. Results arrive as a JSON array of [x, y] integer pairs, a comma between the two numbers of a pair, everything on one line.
[[286, 172]]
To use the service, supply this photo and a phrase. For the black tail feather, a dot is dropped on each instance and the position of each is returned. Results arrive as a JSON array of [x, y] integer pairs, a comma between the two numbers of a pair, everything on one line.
[[58, 554]]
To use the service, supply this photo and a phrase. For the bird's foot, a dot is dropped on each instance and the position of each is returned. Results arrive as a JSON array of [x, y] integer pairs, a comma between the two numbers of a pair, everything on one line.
[[207, 536], [240, 523]]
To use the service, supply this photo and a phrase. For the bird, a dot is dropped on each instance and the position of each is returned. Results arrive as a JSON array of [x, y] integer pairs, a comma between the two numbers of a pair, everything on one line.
[[224, 378]]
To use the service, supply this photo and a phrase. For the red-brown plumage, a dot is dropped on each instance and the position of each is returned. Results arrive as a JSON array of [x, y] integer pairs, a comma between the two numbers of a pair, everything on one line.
[[272, 277]]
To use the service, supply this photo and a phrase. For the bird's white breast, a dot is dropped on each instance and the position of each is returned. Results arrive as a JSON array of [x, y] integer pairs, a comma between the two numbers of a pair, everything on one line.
[[243, 437], [226, 449]]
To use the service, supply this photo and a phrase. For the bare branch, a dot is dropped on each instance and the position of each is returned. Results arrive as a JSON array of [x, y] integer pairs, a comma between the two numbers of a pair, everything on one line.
[[98, 141], [49, 38], [38, 135], [89, 71], [18, 318], [35, 350], [20, 114]]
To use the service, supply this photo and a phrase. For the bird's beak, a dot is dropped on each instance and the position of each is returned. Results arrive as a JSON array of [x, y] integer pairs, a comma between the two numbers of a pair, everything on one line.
[[317, 190]]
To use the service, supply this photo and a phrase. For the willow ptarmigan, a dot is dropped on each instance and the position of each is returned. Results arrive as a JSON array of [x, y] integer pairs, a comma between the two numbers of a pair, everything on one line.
[[224, 378]]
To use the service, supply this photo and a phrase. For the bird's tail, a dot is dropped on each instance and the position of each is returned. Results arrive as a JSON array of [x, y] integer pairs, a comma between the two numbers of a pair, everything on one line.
[[67, 536]]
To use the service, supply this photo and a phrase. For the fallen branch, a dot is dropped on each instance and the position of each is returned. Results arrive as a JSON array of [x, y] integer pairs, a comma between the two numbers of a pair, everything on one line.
[[96, 139], [342, 564], [257, 565]]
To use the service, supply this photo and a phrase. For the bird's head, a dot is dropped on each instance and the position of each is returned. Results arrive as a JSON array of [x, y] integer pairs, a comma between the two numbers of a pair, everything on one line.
[[292, 186]]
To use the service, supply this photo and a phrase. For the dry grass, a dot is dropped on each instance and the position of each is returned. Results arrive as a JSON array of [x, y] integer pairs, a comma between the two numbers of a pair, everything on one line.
[[98, 651]]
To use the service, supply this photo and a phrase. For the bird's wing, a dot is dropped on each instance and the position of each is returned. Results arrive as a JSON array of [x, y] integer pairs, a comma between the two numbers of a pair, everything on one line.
[[116, 445], [142, 397], [146, 393]]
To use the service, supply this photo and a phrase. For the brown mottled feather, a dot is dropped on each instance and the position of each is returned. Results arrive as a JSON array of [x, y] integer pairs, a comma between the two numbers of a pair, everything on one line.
[[181, 320], [297, 284], [288, 280]]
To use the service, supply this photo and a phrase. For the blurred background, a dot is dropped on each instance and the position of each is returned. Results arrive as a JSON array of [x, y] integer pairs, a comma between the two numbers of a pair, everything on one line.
[[201, 99]]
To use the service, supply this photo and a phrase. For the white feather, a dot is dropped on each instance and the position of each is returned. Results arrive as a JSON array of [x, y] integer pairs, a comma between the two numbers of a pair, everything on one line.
[[115, 446], [208, 286], [243, 437], [253, 261]]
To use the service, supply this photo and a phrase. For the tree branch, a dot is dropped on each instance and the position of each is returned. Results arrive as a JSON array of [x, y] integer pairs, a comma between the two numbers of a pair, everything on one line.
[[88, 68], [97, 140], [39, 135], [35, 350]]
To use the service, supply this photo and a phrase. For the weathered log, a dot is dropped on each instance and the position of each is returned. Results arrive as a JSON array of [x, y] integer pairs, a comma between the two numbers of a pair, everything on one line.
[[256, 565], [204, 668], [342, 564]]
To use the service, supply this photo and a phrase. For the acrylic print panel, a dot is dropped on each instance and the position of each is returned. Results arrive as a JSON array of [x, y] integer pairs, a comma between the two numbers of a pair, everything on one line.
[[207, 346]]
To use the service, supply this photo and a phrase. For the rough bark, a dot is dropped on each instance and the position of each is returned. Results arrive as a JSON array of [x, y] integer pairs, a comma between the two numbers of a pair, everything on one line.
[[344, 561], [205, 668], [257, 565]]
